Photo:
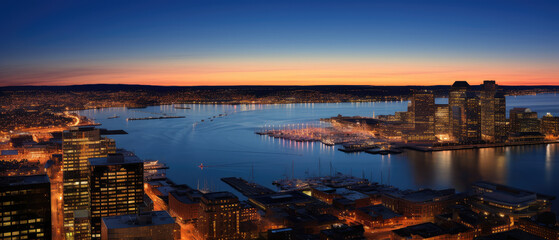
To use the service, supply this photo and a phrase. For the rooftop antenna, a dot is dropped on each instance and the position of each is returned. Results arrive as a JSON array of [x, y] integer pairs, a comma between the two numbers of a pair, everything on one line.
[[381, 176]]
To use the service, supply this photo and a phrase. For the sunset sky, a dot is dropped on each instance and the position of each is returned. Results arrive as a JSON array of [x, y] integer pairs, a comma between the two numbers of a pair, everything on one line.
[[284, 42]]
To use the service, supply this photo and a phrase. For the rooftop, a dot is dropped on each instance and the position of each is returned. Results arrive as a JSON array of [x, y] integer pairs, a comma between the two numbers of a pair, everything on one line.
[[424, 195], [379, 211], [219, 196], [115, 159], [143, 219], [8, 181]]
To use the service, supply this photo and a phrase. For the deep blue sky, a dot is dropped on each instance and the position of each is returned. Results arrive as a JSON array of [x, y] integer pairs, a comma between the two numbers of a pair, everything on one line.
[[60, 42]]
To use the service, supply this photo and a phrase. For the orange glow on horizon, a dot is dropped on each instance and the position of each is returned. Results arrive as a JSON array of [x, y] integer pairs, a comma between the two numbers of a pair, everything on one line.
[[305, 73]]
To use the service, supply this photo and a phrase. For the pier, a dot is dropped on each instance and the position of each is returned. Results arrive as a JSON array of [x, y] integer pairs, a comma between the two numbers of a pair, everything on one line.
[[246, 188]]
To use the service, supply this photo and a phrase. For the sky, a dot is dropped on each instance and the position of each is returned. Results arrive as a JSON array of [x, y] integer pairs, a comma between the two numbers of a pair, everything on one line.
[[206, 42]]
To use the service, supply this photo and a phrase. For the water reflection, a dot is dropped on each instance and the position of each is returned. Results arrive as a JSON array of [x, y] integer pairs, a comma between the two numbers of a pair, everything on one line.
[[230, 145]]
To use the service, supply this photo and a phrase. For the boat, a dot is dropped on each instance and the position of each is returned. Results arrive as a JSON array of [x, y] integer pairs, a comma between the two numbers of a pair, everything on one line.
[[180, 107], [113, 117]]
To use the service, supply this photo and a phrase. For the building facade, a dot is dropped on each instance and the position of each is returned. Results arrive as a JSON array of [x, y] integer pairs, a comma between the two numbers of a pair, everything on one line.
[[117, 188], [79, 144], [219, 216], [26, 210]]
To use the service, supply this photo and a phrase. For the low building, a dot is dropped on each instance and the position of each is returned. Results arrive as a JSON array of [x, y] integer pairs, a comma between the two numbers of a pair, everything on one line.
[[149, 225], [378, 216], [433, 231], [265, 202], [482, 224], [328, 195], [422, 204], [184, 203], [543, 225], [26, 212], [340, 231], [515, 234], [500, 200]]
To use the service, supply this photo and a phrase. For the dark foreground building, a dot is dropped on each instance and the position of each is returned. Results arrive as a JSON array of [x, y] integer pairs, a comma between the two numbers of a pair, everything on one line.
[[157, 225], [25, 211]]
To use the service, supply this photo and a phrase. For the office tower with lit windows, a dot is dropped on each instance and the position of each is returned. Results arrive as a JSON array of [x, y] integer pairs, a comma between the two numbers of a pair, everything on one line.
[[423, 108], [442, 122], [78, 145], [116, 188], [219, 216], [25, 210], [493, 112], [473, 118], [523, 120], [550, 125], [488, 104], [457, 102], [500, 117]]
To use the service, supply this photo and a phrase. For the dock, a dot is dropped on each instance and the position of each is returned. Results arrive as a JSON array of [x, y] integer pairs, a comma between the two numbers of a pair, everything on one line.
[[246, 188]]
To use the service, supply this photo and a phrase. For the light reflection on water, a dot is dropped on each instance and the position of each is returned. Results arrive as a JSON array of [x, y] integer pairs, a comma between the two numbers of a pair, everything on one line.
[[229, 146]]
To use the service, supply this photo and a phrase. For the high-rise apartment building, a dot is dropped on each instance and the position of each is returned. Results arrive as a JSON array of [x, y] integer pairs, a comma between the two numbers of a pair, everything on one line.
[[79, 144], [116, 188], [457, 101], [219, 216], [25, 210]]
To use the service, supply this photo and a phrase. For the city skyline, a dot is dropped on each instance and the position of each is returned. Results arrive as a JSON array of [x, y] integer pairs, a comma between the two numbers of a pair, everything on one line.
[[271, 43]]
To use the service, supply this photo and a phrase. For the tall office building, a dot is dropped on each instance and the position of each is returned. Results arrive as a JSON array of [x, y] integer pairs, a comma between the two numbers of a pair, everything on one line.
[[550, 125], [500, 117], [493, 112], [26, 210], [442, 122], [79, 144], [457, 102], [488, 105], [219, 216], [116, 188], [473, 118], [523, 120], [423, 108]]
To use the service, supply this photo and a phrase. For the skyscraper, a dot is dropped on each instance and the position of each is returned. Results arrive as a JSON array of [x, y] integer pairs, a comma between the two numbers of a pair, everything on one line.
[[423, 109], [79, 144], [488, 107], [457, 102], [116, 188], [473, 118], [25, 212], [523, 120], [500, 117], [442, 122], [219, 216]]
